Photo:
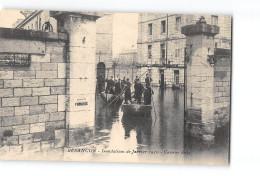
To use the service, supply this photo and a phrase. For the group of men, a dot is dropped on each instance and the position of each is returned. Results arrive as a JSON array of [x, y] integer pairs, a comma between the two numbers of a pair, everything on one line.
[[119, 86], [140, 90]]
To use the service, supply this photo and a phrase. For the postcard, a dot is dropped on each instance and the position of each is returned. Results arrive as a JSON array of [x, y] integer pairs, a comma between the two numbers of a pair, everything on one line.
[[115, 87]]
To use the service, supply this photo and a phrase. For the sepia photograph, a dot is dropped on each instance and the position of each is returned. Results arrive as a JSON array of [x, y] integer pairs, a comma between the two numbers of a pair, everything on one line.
[[115, 87]]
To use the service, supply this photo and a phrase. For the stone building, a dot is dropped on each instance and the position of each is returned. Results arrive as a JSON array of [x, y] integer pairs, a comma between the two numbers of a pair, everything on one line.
[[42, 109], [104, 43], [161, 46], [34, 20]]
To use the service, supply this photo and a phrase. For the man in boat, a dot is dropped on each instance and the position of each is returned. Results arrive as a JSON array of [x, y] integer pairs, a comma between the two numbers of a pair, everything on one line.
[[138, 91], [128, 91], [135, 83], [110, 86], [136, 79], [148, 81], [123, 83], [118, 87], [124, 80], [100, 82], [148, 95]]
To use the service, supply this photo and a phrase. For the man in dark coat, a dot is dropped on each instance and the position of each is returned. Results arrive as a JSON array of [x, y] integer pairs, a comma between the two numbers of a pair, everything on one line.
[[136, 79], [128, 91], [118, 88], [110, 86], [123, 83], [100, 82], [148, 81], [124, 80], [138, 91], [148, 96]]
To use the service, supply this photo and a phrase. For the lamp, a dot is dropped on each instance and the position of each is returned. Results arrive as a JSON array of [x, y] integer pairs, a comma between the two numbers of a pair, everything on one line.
[[211, 59], [219, 53]]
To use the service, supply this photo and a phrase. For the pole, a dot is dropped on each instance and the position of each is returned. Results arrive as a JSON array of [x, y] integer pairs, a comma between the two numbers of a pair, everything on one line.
[[185, 83], [99, 56], [166, 41]]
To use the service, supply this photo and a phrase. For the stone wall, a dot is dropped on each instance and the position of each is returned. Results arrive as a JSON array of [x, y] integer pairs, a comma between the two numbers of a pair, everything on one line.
[[32, 98], [222, 87]]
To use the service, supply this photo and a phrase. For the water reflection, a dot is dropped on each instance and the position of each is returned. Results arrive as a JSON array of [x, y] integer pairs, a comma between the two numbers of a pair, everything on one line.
[[143, 128], [163, 132]]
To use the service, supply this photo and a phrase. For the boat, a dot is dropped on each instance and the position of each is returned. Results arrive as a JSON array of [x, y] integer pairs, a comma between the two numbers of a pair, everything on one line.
[[137, 110], [107, 101]]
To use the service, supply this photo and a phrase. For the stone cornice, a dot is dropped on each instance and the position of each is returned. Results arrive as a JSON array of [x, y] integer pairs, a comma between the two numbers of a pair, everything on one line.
[[31, 35], [201, 27]]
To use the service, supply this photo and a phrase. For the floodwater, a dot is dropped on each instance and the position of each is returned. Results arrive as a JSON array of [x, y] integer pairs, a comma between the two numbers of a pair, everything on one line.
[[159, 139]]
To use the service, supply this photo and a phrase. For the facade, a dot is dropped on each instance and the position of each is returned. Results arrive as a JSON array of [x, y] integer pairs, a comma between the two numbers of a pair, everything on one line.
[[104, 42], [34, 20], [161, 46]]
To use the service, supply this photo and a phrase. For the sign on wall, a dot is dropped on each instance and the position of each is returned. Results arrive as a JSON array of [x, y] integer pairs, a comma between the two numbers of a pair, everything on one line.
[[21, 60]]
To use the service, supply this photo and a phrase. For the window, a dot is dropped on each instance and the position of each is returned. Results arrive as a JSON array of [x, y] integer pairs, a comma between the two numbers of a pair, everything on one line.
[[178, 23], [32, 26], [149, 51], [176, 76], [162, 51], [214, 20], [163, 26], [150, 29], [177, 52]]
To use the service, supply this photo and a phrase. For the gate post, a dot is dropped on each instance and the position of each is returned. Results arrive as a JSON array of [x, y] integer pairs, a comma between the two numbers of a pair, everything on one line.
[[199, 113], [80, 74]]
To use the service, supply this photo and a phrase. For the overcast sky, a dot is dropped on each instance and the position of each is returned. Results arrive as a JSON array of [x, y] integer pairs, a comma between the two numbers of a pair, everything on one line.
[[125, 28], [8, 17], [125, 32]]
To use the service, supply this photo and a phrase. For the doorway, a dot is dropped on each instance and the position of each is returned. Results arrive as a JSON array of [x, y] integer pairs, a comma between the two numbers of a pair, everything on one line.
[[162, 78], [176, 77]]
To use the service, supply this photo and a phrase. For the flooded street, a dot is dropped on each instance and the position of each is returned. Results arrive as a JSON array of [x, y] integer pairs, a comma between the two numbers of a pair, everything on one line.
[[163, 132], [158, 139]]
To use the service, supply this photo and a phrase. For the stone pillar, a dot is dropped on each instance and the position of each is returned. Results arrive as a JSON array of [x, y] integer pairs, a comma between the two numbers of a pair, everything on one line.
[[80, 74], [200, 79]]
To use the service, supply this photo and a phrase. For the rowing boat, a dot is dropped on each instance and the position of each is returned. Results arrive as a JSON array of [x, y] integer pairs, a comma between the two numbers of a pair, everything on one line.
[[137, 110]]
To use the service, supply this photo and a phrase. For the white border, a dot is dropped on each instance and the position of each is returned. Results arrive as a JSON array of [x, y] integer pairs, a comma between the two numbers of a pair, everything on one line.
[[245, 155]]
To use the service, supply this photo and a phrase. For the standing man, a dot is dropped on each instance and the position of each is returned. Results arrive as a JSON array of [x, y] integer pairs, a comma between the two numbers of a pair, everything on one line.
[[148, 81], [128, 91], [123, 83], [118, 87], [135, 83], [136, 78], [100, 82], [138, 91], [110, 86], [148, 96]]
